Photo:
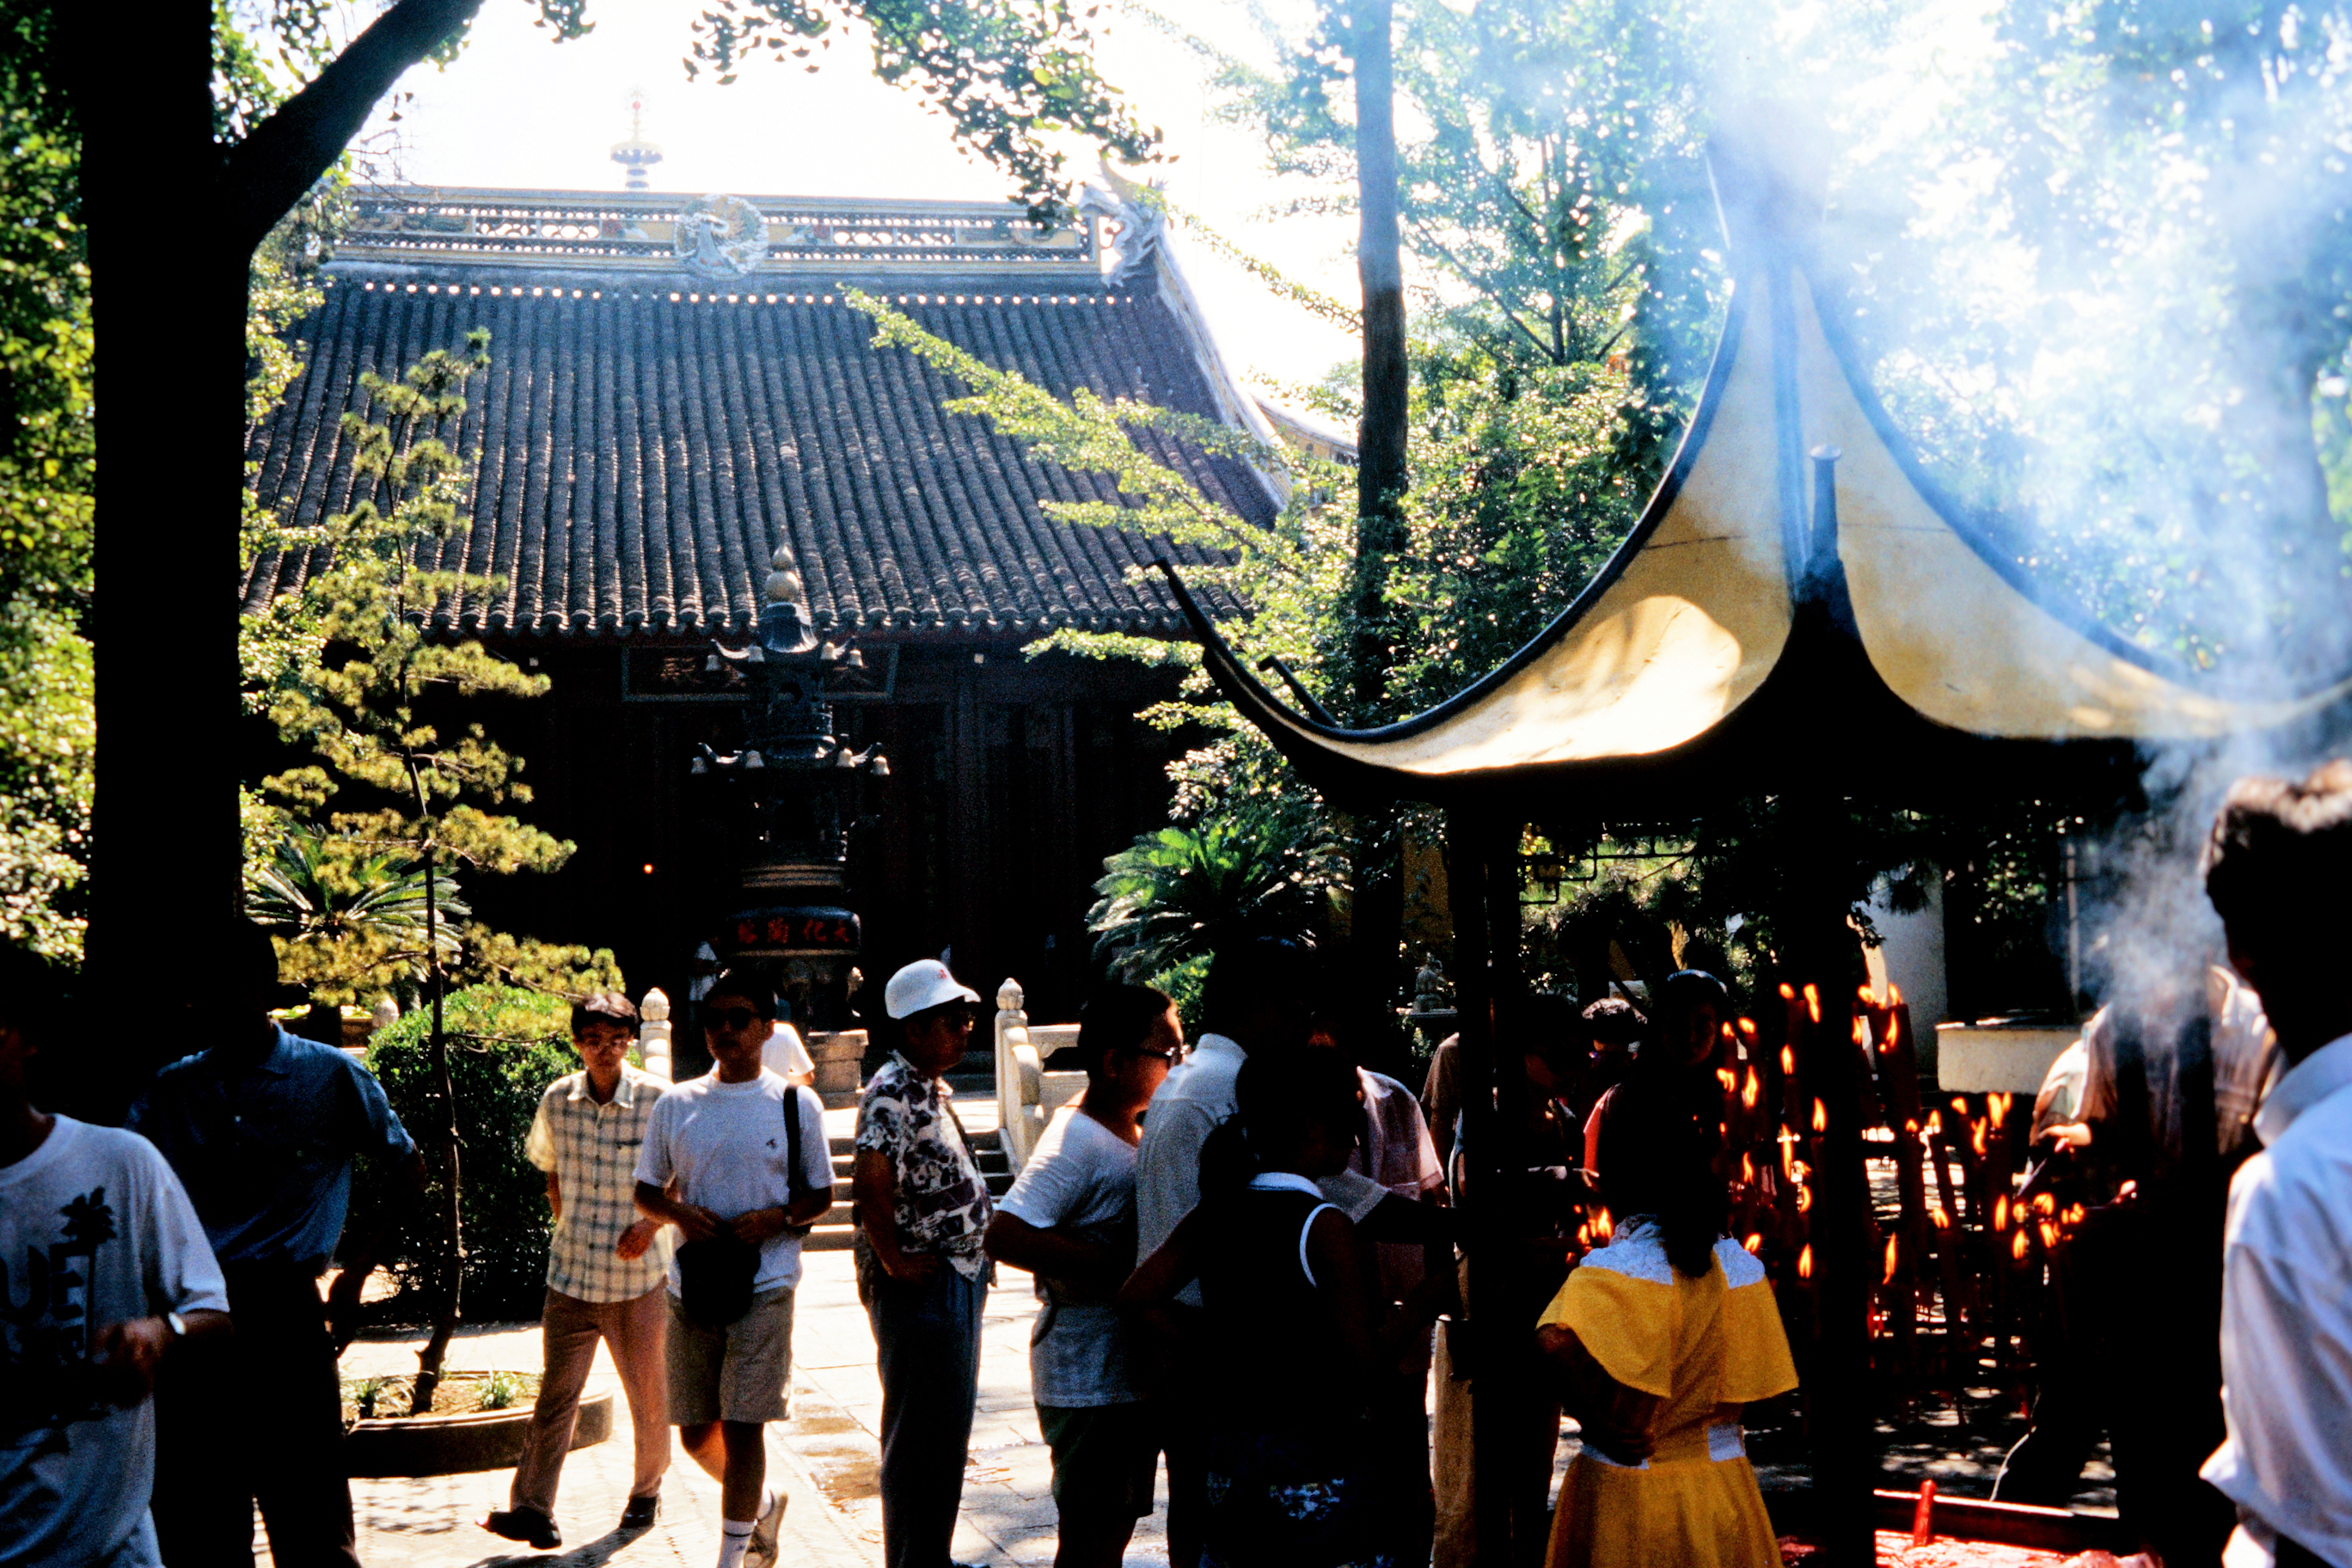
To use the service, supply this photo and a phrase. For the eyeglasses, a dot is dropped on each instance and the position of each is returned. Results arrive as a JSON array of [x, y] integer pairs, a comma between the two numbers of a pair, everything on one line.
[[729, 1019], [1158, 1055]]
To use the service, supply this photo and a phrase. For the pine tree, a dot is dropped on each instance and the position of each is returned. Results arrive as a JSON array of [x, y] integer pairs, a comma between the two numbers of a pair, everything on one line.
[[432, 795]]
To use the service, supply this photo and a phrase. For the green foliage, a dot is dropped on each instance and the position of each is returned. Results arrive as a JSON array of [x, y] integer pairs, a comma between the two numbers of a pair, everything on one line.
[[349, 920], [367, 701], [1176, 895], [506, 1046], [47, 485], [498, 1391]]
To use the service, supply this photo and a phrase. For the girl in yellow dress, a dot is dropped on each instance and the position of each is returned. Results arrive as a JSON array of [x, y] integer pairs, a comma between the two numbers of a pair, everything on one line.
[[1659, 1338]]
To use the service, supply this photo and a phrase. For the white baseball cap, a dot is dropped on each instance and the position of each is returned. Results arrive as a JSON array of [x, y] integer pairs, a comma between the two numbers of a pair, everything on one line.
[[923, 984]]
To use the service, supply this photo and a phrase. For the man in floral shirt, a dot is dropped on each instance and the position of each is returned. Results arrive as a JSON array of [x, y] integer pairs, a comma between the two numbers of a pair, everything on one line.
[[923, 1210]]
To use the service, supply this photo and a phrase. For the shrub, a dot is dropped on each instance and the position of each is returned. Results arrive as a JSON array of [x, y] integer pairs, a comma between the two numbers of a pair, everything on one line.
[[506, 1046]]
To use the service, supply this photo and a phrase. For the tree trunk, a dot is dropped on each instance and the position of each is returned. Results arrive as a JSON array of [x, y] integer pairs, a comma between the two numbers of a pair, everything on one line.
[[1380, 477], [449, 1265], [171, 358], [1378, 925]]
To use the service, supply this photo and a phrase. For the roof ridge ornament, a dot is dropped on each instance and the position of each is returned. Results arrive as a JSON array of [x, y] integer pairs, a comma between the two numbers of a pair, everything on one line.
[[636, 155], [1131, 255], [722, 237]]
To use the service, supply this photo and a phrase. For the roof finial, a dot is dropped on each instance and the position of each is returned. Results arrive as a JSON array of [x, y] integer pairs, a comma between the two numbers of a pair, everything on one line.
[[636, 155]]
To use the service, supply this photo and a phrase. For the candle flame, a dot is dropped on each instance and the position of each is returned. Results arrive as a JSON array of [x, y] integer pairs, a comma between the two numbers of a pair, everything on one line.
[[2000, 1212], [2045, 1202], [1813, 1003], [1747, 1025], [1805, 1262], [1748, 1169], [1894, 1030], [1869, 998], [1820, 1117], [1861, 1034], [1788, 993], [1804, 1199], [1890, 1261], [2017, 1247], [2076, 1213], [1977, 1138], [1751, 1089], [2049, 1233], [1788, 1060], [1754, 1244], [1602, 1225], [1788, 1153], [1893, 995], [1727, 1078], [1943, 1221], [1998, 1105]]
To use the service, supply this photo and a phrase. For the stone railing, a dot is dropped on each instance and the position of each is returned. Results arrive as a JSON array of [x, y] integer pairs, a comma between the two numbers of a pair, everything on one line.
[[1026, 1094]]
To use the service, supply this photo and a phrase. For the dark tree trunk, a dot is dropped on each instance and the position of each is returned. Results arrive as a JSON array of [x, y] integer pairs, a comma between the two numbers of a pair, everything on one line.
[[171, 335], [171, 356], [1378, 924], [1380, 477]]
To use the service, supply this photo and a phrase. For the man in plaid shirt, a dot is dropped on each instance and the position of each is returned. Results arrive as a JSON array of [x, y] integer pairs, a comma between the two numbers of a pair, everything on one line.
[[604, 1275]]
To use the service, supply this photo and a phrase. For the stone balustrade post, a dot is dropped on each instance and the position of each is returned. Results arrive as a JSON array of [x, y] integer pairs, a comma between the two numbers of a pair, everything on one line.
[[1020, 1080], [653, 1033]]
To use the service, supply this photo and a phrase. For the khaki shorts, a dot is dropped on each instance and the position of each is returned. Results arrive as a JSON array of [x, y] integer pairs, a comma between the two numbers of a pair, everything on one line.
[[740, 1372]]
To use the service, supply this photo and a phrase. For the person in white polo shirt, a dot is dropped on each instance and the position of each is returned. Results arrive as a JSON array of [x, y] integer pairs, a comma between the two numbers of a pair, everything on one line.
[[923, 1210], [742, 1202], [2275, 867]]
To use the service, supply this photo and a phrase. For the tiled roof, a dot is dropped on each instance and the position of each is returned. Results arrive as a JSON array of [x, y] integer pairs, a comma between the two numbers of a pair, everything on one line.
[[643, 448]]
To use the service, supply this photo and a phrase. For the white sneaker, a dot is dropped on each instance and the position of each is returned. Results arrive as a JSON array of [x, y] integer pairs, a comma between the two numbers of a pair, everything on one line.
[[761, 1553]]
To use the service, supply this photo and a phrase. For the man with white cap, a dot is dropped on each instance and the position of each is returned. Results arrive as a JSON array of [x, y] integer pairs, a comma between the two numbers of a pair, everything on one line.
[[922, 1212]]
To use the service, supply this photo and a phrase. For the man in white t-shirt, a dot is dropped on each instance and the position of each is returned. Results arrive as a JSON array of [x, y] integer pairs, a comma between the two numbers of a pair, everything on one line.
[[1070, 1220], [104, 1269], [724, 1140], [784, 1056]]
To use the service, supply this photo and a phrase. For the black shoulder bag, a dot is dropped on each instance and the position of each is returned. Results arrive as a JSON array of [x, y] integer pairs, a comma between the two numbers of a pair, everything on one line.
[[715, 1276]]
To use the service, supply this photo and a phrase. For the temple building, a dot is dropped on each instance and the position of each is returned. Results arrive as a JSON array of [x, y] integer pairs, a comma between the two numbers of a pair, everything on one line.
[[677, 388]]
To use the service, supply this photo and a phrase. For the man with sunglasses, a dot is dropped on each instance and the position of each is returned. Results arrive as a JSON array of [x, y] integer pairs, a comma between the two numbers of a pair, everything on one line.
[[923, 1210], [716, 1163], [1070, 1220]]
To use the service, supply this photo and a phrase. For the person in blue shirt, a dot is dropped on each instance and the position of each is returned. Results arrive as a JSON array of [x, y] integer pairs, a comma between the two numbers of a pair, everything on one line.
[[262, 1130]]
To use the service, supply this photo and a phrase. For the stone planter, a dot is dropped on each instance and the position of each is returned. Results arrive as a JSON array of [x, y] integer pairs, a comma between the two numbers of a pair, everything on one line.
[[453, 1444]]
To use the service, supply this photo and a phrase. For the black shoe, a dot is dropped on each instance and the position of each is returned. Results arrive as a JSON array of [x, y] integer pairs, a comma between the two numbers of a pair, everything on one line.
[[527, 1525], [641, 1512]]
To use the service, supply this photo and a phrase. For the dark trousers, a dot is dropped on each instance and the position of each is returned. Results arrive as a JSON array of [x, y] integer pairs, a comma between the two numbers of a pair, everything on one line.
[[1184, 1440], [257, 1420], [927, 1345]]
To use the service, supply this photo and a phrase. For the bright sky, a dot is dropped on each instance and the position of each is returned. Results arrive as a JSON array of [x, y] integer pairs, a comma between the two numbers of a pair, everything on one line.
[[517, 109]]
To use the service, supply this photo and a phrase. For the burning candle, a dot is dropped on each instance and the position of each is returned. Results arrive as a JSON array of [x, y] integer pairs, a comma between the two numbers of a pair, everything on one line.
[[1750, 1091], [1891, 1261], [1805, 1262], [1789, 1060], [1754, 1243], [1602, 1225], [1820, 1117], [2000, 1212], [2017, 1247], [1813, 1004]]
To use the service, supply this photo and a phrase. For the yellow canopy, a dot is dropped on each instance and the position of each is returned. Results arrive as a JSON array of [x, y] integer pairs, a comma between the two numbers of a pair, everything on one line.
[[1736, 564]]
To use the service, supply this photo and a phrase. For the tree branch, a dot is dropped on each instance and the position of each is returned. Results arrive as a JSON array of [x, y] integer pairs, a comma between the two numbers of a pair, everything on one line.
[[264, 175]]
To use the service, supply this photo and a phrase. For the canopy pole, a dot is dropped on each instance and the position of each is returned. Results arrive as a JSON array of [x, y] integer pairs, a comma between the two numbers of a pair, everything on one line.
[[1822, 948], [1486, 1219], [1506, 1284]]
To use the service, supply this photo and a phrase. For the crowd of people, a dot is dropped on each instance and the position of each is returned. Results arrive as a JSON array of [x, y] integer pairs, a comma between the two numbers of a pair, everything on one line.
[[1243, 1257]]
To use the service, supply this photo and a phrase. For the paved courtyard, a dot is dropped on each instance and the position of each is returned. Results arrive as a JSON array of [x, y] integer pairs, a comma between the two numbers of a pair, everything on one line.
[[827, 1455]]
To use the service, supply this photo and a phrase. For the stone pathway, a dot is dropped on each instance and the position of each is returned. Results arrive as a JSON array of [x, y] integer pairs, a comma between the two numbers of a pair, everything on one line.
[[828, 1455]]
